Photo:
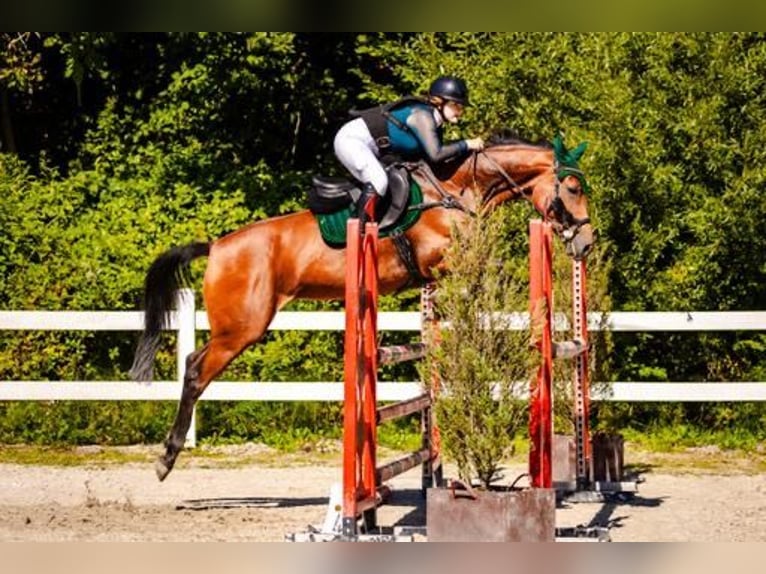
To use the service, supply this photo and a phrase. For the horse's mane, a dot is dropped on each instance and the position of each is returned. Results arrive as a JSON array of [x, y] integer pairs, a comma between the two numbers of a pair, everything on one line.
[[508, 137]]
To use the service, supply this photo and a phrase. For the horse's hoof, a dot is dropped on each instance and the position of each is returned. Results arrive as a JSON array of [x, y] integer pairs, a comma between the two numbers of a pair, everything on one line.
[[161, 469]]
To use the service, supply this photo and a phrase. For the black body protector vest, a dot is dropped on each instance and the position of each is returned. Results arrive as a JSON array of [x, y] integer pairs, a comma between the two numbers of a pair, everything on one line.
[[376, 117]]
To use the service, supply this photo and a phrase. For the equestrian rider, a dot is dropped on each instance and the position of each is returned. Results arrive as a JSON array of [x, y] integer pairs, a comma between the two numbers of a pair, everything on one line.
[[410, 128]]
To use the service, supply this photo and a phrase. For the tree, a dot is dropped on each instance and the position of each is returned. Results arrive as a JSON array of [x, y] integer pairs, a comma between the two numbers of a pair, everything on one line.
[[481, 366]]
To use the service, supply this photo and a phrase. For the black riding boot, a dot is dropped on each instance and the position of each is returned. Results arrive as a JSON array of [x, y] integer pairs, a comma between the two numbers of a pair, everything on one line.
[[366, 205]]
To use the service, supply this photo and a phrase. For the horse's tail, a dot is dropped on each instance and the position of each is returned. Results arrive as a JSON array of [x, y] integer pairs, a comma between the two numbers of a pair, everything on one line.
[[169, 272]]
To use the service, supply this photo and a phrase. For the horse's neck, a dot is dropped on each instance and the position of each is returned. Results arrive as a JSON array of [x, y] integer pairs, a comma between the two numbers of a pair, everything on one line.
[[514, 167], [521, 162]]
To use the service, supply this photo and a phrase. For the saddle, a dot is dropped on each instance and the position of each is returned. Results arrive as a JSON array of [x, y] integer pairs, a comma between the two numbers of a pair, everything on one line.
[[333, 200], [328, 195]]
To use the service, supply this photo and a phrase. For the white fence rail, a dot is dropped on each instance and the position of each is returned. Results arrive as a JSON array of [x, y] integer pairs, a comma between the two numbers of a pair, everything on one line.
[[186, 321]]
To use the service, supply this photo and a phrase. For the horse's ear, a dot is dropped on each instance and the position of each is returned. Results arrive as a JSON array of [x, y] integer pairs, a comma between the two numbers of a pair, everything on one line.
[[559, 148], [577, 152]]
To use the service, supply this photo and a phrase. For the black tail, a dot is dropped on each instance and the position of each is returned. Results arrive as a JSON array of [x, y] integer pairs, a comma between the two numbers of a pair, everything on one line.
[[169, 272]]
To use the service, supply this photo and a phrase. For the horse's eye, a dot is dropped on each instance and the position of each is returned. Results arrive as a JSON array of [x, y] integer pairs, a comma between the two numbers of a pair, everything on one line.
[[573, 189]]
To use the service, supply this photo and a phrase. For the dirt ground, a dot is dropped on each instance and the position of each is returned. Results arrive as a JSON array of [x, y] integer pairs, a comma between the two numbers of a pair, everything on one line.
[[257, 501]]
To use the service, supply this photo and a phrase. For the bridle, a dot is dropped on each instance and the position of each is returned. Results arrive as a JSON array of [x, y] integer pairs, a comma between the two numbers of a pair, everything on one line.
[[569, 223]]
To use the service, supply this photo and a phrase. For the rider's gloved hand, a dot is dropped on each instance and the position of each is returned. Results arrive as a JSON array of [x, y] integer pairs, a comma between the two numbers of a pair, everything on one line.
[[475, 144]]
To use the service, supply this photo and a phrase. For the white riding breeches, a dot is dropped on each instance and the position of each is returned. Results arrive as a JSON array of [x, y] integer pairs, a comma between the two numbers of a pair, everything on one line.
[[357, 151]]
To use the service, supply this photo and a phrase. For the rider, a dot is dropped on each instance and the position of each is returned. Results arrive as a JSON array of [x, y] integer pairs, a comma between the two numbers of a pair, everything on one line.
[[410, 127]]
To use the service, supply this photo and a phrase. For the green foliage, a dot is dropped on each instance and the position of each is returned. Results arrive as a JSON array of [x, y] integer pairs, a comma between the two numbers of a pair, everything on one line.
[[67, 422], [481, 365], [198, 159], [19, 63], [402, 434], [664, 437], [279, 424]]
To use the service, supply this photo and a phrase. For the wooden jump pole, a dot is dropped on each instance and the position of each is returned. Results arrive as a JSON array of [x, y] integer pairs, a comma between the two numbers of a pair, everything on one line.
[[541, 321], [541, 387], [360, 365], [362, 478]]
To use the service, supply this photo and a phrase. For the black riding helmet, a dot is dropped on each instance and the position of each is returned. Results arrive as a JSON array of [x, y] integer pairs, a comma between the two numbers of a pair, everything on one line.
[[449, 88]]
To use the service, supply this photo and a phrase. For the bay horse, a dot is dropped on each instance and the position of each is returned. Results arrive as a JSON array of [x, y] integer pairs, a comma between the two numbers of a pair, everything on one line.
[[253, 272]]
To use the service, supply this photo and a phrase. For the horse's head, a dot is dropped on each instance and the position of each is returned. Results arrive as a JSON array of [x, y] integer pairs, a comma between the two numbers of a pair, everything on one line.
[[548, 176]]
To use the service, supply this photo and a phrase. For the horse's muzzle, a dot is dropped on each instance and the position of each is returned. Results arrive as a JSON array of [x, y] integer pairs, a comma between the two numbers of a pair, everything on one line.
[[580, 244]]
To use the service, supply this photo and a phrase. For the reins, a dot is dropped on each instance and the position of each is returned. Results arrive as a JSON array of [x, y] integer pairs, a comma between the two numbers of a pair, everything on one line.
[[495, 190], [571, 225], [445, 199], [451, 202]]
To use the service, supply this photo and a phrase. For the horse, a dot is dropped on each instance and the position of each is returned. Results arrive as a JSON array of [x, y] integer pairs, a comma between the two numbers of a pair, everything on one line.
[[255, 271]]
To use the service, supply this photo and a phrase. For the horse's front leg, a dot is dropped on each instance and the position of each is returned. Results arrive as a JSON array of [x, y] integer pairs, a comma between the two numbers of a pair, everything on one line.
[[177, 436]]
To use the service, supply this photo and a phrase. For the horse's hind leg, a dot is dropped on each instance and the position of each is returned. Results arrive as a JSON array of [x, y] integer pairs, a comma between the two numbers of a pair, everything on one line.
[[201, 367], [189, 395]]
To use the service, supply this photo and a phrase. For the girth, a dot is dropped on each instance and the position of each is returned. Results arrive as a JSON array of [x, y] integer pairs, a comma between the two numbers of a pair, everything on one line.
[[407, 255]]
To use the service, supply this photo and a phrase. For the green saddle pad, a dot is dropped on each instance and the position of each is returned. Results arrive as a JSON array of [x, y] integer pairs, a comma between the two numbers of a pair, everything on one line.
[[333, 225]]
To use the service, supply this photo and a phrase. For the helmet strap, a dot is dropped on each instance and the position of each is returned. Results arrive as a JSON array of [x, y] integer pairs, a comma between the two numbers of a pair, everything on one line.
[[439, 110]]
